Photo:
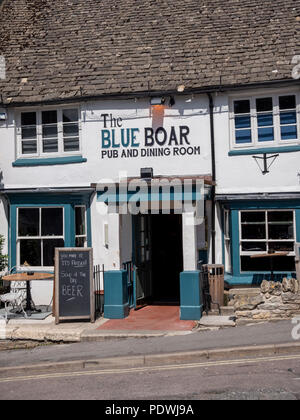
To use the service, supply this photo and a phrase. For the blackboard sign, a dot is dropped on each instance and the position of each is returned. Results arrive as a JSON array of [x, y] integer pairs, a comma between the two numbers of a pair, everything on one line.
[[74, 286]]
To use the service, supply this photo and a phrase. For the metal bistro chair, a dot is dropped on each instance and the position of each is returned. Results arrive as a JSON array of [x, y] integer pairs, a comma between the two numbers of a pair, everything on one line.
[[15, 298]]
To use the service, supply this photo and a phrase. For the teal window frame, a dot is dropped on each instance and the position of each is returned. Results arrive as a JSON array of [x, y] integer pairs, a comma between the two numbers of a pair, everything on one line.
[[67, 202], [236, 276]]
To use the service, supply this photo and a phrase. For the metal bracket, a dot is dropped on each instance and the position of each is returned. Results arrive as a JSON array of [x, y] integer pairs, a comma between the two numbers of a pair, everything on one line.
[[266, 166]]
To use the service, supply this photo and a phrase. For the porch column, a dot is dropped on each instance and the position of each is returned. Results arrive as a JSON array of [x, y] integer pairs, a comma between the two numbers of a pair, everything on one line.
[[116, 305], [190, 286]]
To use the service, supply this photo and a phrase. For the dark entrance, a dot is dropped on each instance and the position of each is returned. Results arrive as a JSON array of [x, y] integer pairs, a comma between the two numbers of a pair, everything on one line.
[[158, 258], [167, 257]]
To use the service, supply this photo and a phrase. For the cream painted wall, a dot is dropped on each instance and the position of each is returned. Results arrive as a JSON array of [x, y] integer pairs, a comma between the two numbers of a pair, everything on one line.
[[241, 174], [135, 114]]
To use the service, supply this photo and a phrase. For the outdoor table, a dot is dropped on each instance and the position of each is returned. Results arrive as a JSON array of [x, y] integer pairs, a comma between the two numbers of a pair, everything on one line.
[[26, 277], [271, 255]]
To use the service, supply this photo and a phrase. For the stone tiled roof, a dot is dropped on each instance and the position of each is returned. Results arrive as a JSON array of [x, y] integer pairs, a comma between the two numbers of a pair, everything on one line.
[[58, 49]]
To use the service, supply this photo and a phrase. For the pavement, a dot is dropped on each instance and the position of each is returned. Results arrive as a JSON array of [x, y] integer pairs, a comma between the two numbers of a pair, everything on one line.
[[150, 321], [265, 339]]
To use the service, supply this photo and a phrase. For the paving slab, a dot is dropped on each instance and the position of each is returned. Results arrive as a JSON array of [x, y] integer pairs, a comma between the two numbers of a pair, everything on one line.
[[217, 321]]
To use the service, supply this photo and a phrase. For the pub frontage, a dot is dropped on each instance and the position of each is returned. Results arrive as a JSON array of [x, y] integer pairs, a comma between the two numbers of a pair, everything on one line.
[[157, 161]]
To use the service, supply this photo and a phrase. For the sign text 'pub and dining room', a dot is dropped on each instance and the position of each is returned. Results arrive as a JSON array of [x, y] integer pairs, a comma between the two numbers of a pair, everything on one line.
[[120, 142]]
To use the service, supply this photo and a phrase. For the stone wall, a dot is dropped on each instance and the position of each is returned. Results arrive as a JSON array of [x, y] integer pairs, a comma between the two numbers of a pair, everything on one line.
[[272, 301]]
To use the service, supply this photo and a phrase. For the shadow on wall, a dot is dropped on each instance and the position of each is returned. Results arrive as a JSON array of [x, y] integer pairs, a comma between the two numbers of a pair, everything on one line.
[[1, 173]]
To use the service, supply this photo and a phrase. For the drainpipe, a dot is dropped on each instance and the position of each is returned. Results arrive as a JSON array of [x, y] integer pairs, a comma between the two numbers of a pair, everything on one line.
[[213, 190]]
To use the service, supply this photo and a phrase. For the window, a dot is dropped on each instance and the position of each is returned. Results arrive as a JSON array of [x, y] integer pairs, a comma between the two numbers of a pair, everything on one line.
[[48, 133], [40, 231], [80, 227], [263, 232], [265, 121]]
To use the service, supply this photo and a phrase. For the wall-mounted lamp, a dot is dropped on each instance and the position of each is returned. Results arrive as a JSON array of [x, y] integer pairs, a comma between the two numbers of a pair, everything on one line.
[[146, 173], [161, 100], [158, 101]]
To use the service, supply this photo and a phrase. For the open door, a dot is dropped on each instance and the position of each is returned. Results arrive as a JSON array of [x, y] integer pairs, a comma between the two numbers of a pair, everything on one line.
[[143, 273]]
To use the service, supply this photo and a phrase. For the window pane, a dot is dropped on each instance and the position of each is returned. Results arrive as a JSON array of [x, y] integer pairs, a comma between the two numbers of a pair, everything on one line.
[[242, 107], [243, 136], [29, 222], [80, 242], [30, 252], [242, 122], [71, 144], [80, 220], [49, 131], [264, 120], [288, 118], [289, 132], [28, 118], [263, 264], [50, 146], [281, 246], [266, 134], [28, 133], [70, 115], [281, 231], [49, 246], [49, 117], [29, 147], [254, 231], [52, 222], [281, 216], [254, 246], [287, 102], [264, 104], [281, 225], [253, 216], [71, 130]]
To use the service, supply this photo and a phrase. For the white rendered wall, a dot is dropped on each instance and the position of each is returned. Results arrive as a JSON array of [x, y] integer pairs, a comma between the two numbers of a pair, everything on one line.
[[241, 174], [135, 114]]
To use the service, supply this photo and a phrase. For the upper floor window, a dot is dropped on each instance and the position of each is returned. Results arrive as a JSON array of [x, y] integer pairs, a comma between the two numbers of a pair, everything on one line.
[[48, 132], [265, 121]]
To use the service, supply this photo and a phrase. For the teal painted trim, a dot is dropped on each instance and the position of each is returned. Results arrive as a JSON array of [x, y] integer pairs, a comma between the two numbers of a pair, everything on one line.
[[235, 242], [116, 304], [223, 235], [191, 305], [297, 216], [89, 225], [13, 236], [255, 279], [264, 204], [48, 161], [261, 151], [114, 198]]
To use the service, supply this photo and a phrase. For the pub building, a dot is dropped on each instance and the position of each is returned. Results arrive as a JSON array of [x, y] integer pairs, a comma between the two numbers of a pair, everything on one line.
[[98, 101]]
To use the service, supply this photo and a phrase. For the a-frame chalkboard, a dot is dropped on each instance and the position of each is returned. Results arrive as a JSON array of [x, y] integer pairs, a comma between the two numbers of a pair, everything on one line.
[[74, 285]]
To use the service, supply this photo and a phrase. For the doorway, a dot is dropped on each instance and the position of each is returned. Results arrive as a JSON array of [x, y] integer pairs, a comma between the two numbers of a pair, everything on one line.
[[158, 258]]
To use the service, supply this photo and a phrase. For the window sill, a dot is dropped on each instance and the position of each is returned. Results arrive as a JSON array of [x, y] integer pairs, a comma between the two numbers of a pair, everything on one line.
[[49, 161], [278, 149]]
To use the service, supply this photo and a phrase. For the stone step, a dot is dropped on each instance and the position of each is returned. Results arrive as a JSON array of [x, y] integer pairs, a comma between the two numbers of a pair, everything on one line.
[[253, 291], [227, 310], [217, 321]]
